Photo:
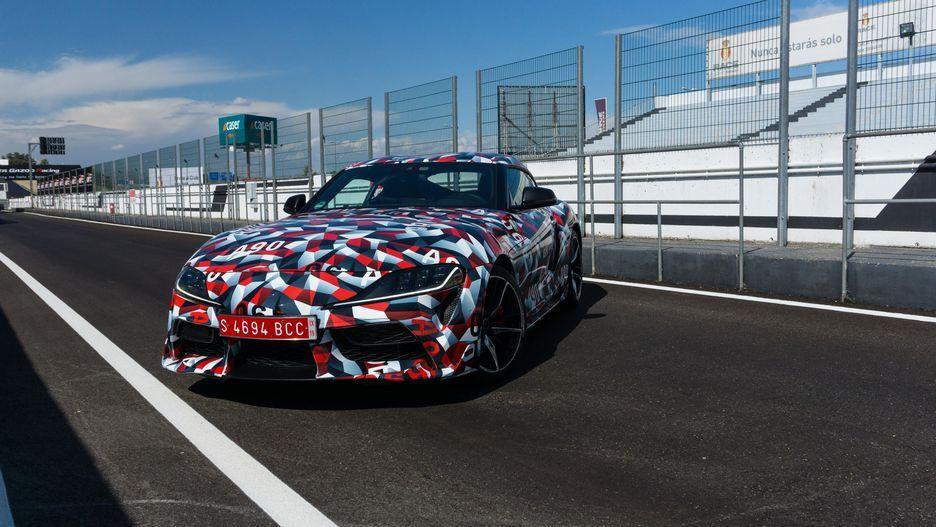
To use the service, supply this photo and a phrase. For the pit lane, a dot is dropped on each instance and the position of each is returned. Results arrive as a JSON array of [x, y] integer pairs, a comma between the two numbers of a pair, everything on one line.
[[646, 407]]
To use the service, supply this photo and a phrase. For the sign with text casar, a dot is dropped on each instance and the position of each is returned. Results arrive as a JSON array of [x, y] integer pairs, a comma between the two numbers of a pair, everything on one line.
[[245, 130], [815, 40]]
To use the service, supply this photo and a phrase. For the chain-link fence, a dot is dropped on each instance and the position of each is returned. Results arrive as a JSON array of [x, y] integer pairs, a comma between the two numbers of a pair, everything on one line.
[[293, 157], [346, 134], [422, 119], [703, 80], [896, 65], [534, 107]]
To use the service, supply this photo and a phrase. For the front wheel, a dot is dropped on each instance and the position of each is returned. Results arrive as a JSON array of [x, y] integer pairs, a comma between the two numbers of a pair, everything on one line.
[[503, 323], [573, 270]]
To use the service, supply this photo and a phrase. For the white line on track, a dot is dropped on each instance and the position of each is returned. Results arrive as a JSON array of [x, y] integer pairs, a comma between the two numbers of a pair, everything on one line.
[[763, 300], [281, 503], [6, 515], [120, 225]]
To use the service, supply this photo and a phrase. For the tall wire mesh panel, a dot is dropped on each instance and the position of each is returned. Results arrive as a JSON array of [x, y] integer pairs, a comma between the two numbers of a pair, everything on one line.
[[346, 134], [107, 176], [149, 168], [166, 174], [216, 161], [98, 176], [896, 74], [422, 119], [190, 162], [134, 176], [292, 152], [704, 80], [532, 108]]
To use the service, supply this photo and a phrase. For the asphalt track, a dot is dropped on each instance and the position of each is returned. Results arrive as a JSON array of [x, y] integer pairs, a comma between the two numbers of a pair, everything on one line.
[[645, 407]]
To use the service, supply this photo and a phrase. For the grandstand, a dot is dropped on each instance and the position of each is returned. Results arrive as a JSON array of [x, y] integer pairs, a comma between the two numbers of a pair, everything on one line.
[[813, 111]]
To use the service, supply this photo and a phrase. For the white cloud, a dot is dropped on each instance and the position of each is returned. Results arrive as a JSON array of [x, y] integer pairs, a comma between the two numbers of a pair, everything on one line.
[[74, 78], [818, 8], [95, 131]]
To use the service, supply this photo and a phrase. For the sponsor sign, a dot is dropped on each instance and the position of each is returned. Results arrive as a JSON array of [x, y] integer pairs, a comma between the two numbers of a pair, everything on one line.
[[601, 108], [816, 40], [20, 172], [245, 130]]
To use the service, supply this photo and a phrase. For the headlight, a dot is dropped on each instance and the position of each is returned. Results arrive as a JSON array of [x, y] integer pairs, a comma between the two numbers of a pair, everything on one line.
[[193, 284], [410, 282]]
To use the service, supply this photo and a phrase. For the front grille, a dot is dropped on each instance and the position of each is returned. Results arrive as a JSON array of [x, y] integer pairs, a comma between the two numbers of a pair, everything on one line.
[[378, 343], [196, 339], [272, 354]]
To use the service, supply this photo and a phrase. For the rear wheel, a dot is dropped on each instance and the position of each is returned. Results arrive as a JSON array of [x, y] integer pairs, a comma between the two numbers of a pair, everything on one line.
[[502, 323], [573, 269]]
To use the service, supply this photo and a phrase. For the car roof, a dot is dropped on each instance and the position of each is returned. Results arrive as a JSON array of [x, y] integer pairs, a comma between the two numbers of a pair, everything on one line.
[[457, 157]]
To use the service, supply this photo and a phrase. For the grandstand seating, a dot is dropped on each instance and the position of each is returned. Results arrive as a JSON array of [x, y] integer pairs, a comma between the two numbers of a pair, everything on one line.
[[882, 105]]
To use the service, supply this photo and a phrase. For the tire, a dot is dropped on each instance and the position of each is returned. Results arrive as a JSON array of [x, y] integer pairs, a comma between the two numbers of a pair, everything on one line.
[[573, 269], [503, 324]]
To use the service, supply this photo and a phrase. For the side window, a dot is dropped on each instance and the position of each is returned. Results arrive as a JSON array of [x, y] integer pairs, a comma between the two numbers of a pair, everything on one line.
[[517, 180]]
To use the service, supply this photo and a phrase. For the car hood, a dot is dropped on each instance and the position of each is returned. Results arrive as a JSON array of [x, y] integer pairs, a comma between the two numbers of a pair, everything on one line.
[[337, 253]]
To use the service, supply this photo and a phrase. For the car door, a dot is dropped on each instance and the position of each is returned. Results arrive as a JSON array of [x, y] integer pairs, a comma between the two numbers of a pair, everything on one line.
[[535, 253]]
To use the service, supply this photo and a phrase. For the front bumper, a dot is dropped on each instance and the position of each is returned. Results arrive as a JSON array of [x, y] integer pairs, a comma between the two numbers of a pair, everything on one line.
[[423, 338]]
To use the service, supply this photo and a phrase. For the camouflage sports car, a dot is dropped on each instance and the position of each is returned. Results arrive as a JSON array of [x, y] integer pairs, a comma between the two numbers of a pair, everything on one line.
[[397, 269]]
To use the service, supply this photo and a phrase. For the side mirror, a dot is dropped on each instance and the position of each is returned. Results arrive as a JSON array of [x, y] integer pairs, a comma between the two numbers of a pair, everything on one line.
[[294, 204], [536, 197]]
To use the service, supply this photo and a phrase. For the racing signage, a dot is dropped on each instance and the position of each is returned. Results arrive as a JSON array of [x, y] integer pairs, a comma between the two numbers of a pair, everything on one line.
[[601, 109], [22, 172], [815, 40], [245, 130]]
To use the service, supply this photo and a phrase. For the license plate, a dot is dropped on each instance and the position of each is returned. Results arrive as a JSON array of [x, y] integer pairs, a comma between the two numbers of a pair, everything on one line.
[[268, 328]]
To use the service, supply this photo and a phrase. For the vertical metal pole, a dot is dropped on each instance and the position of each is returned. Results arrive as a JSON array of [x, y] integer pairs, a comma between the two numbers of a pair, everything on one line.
[[275, 190], [618, 118], [580, 131], [815, 76], [228, 178], [592, 206], [740, 216], [308, 141], [322, 144], [783, 159], [454, 113], [265, 214], [32, 179], [659, 241], [143, 185], [370, 129], [848, 145], [179, 203], [158, 186], [386, 122], [480, 146], [127, 179]]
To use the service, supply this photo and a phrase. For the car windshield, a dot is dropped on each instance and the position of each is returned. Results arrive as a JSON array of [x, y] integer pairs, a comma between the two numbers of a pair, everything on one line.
[[409, 185]]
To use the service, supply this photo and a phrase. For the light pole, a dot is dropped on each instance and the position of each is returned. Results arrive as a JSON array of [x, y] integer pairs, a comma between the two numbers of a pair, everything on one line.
[[29, 150]]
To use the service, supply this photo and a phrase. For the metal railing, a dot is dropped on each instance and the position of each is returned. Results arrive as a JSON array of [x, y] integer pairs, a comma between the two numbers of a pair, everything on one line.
[[618, 204]]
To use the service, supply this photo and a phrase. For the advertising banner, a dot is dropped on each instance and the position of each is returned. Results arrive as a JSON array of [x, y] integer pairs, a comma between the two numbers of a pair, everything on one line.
[[816, 40], [601, 108]]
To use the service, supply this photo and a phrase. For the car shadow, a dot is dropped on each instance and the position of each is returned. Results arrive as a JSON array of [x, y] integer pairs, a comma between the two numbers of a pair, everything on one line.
[[540, 346], [50, 476]]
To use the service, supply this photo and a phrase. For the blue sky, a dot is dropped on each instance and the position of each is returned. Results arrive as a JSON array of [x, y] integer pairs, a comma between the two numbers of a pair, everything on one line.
[[117, 78]]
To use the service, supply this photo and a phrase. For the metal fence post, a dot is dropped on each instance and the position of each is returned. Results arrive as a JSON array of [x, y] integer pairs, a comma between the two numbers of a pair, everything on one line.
[[275, 189], [591, 193], [454, 113], [322, 144], [783, 159], [740, 216], [370, 129], [309, 150], [848, 145], [618, 118], [659, 211], [580, 131], [386, 120], [479, 147]]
